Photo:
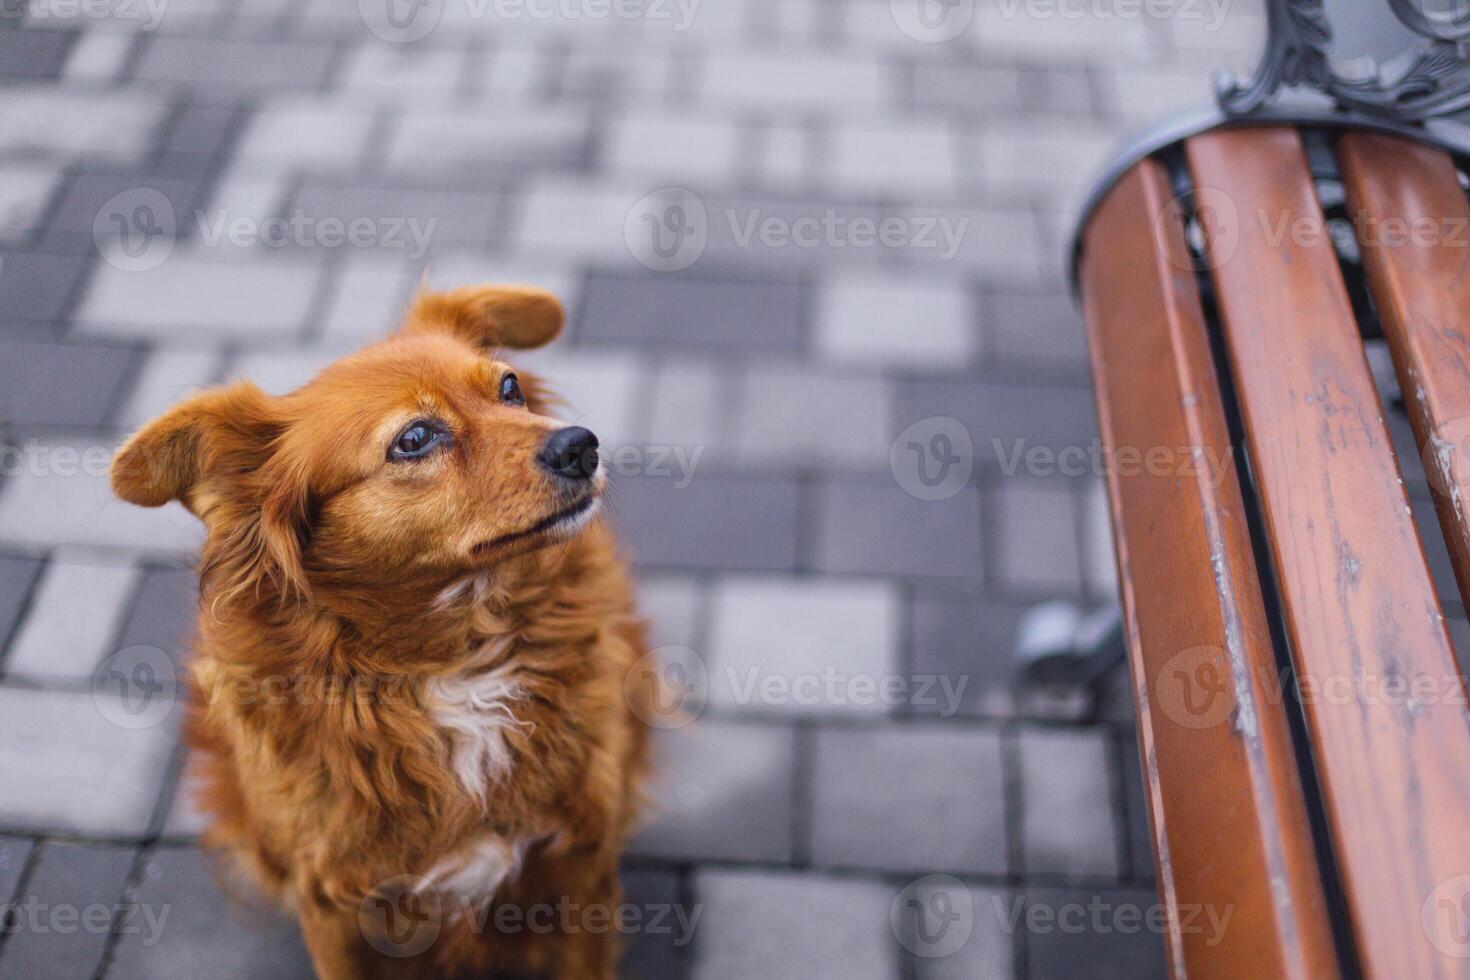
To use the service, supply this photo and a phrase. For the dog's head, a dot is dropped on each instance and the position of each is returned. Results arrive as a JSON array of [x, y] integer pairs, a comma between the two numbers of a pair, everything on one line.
[[420, 458]]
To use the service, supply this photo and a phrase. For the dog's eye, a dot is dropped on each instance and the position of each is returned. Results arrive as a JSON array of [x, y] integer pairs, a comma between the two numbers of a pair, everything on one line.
[[417, 440], [510, 391]]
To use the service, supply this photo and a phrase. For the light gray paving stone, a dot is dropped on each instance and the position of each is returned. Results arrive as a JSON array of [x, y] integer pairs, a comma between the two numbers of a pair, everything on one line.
[[305, 131], [67, 768], [467, 268], [709, 778], [691, 406], [909, 158], [598, 390], [987, 949], [1099, 559], [680, 148], [63, 124], [673, 606], [796, 416], [1036, 521], [403, 71], [185, 819], [65, 911], [168, 376], [469, 140], [787, 924], [61, 496], [191, 295], [1103, 37], [1069, 826], [803, 645], [283, 370], [369, 296], [776, 81], [97, 56], [206, 934], [889, 320], [1059, 156], [575, 218], [784, 155], [910, 799], [25, 190], [1002, 243], [77, 609]]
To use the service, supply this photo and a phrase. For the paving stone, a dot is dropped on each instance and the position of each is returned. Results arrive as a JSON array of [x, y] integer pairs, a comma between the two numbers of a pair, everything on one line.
[[1054, 156], [280, 371], [1052, 34], [60, 384], [307, 132], [784, 155], [17, 579], [1037, 328], [1007, 421], [1099, 565], [804, 646], [249, 65], [874, 526], [1036, 522], [908, 158], [168, 375], [716, 521], [185, 820], [112, 127], [66, 910], [164, 614], [1115, 941], [32, 54], [1135, 799], [779, 235], [89, 196], [194, 296], [673, 606], [985, 949], [25, 190], [910, 799], [1004, 244], [74, 617], [98, 56], [368, 298], [691, 410], [683, 311], [700, 149], [814, 81], [67, 768], [651, 953], [708, 779], [605, 75], [197, 140], [403, 71], [403, 224], [573, 217], [36, 286], [15, 854], [785, 924], [953, 86], [896, 321], [1068, 823], [466, 141], [460, 268], [599, 391], [206, 934], [61, 496], [965, 642], [793, 415]]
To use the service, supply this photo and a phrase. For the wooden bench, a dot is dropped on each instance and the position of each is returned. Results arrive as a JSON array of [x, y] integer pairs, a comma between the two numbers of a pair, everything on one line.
[[1302, 718]]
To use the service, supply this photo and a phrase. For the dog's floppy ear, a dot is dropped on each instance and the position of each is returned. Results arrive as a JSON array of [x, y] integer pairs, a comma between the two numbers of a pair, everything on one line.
[[166, 459], [488, 316]]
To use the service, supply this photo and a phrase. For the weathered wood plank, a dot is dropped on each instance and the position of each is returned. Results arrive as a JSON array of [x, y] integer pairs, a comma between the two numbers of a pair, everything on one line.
[[1414, 229], [1383, 703], [1229, 822]]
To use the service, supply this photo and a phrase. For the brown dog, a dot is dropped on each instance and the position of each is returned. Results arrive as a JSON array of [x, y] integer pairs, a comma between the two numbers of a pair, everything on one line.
[[409, 686]]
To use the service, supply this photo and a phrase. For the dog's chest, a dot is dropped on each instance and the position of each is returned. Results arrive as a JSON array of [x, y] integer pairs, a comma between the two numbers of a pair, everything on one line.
[[477, 711]]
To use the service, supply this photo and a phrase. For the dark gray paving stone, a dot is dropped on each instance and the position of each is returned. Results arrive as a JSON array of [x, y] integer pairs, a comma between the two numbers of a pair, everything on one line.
[[65, 911], [197, 140], [963, 87], [443, 218], [1115, 943], [1036, 328], [206, 934], [234, 64], [17, 578], [654, 951], [1135, 801], [714, 522], [89, 195], [1005, 420], [15, 852], [164, 614], [969, 643], [776, 235], [33, 54], [37, 286], [60, 384], [910, 799], [876, 527], [679, 311]]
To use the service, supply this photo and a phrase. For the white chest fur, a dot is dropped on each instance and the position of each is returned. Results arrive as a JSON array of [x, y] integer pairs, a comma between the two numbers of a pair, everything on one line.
[[474, 871], [477, 710]]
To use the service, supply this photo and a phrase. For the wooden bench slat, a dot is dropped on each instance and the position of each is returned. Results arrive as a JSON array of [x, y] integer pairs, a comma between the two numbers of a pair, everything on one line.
[[1414, 227], [1359, 605], [1230, 824]]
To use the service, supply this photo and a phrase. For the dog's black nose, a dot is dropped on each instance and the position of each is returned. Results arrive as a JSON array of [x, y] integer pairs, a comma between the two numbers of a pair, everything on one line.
[[570, 452]]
